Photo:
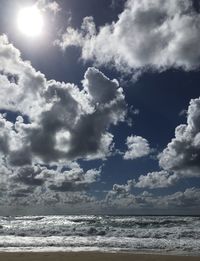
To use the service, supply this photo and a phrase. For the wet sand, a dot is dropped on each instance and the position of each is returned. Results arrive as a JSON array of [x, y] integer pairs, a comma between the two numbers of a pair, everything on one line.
[[91, 256]]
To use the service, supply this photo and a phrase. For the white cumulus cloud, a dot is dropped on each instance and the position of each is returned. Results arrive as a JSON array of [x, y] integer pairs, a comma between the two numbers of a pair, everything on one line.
[[182, 154], [157, 179], [148, 34], [137, 147]]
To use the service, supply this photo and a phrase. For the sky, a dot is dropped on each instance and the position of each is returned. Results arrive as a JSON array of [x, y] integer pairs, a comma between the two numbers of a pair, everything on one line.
[[99, 107]]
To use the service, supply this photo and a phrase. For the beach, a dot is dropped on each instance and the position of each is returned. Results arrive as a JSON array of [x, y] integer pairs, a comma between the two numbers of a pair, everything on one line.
[[91, 256]]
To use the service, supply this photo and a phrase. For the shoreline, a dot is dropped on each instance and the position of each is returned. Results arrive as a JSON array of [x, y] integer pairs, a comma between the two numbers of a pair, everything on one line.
[[98, 251], [91, 256]]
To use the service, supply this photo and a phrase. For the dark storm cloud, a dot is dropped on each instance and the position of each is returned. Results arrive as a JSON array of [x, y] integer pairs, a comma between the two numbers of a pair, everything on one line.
[[148, 33]]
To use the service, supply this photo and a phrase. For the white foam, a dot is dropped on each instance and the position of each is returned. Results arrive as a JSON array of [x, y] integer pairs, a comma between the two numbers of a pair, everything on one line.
[[171, 234]]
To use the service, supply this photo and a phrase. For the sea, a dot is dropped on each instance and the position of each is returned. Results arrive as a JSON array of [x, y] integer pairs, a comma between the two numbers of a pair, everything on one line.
[[141, 234]]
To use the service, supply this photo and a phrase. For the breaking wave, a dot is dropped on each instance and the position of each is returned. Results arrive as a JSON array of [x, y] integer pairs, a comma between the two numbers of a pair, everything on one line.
[[102, 233]]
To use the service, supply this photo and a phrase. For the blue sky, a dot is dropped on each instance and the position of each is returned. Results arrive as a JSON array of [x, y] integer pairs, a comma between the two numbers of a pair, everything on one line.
[[88, 124]]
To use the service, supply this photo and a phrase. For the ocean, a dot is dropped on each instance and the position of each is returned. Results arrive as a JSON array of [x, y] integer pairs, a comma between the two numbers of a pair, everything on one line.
[[155, 234]]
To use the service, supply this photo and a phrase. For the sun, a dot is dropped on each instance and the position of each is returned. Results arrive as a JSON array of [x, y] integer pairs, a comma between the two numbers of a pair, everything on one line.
[[30, 21]]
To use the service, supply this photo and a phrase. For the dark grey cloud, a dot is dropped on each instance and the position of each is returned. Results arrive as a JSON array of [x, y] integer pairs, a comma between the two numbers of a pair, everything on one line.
[[99, 87], [4, 137], [58, 123], [39, 185], [147, 34], [27, 175], [20, 157], [65, 122], [84, 131]]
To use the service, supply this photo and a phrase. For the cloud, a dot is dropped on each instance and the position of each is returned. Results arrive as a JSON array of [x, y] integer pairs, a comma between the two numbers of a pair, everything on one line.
[[71, 180], [123, 189], [147, 34], [28, 175], [125, 198], [182, 154], [181, 158], [52, 6], [53, 124], [64, 122], [120, 196], [20, 83], [134, 111], [188, 198], [40, 185], [116, 3], [157, 179], [137, 147]]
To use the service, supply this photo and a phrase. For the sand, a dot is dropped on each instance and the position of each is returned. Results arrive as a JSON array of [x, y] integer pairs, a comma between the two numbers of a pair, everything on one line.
[[83, 256]]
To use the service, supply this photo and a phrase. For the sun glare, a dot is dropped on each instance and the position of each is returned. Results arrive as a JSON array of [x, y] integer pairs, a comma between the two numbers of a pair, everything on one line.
[[30, 21]]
